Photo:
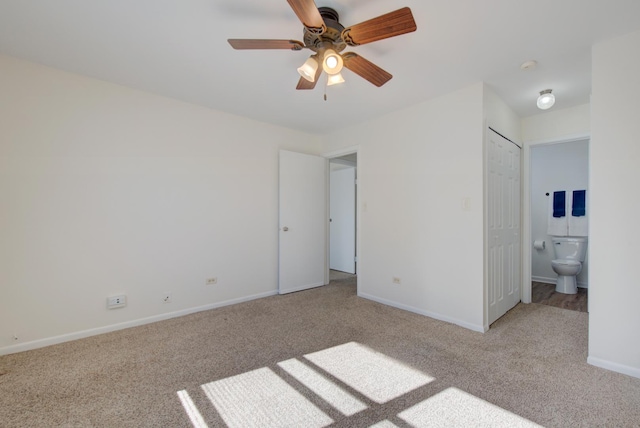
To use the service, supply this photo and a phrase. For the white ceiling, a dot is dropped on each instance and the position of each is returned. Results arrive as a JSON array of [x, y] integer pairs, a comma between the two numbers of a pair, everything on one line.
[[179, 49]]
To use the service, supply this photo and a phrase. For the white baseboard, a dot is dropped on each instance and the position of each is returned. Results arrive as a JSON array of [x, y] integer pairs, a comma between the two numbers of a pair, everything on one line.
[[470, 326], [304, 287], [543, 279], [615, 367], [546, 280], [41, 343]]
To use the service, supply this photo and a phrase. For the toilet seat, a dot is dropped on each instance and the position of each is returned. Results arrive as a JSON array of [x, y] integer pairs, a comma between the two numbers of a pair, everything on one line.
[[563, 262]]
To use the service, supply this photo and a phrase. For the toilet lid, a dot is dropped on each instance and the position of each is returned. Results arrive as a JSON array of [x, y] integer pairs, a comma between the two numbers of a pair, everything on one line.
[[565, 262]]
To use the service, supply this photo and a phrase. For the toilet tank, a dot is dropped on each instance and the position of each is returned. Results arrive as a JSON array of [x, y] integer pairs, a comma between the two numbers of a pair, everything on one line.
[[569, 248]]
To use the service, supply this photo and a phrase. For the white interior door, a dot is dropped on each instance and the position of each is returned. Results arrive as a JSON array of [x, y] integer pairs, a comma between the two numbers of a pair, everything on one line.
[[342, 214], [503, 167], [302, 241]]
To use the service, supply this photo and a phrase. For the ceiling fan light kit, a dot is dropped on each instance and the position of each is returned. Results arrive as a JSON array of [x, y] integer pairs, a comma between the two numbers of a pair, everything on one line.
[[309, 68], [546, 100], [332, 63], [324, 35], [335, 79]]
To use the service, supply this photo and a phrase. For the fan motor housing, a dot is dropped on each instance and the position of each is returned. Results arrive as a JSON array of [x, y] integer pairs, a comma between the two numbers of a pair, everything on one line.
[[333, 33]]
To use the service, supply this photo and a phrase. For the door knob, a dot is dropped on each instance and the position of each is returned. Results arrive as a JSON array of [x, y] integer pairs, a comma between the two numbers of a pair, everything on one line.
[[285, 229]]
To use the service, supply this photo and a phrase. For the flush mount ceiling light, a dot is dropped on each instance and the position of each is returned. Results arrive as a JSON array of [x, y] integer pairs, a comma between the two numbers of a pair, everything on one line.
[[309, 68], [546, 100]]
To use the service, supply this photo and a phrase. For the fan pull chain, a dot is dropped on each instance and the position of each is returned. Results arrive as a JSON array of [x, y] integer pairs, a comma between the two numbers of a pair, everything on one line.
[[325, 88]]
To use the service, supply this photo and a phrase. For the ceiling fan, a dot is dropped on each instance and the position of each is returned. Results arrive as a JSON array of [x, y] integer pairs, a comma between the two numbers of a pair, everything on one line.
[[326, 37]]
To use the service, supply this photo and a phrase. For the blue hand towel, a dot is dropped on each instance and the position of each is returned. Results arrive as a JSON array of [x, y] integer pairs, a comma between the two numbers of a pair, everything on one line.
[[559, 204], [579, 205]]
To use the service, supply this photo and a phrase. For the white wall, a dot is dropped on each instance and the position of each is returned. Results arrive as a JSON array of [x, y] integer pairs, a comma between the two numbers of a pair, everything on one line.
[[557, 124], [555, 167], [614, 291], [415, 167], [500, 117], [106, 190]]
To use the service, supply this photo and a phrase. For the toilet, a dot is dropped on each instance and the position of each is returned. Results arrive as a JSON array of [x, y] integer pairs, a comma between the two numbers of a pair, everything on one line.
[[569, 254]]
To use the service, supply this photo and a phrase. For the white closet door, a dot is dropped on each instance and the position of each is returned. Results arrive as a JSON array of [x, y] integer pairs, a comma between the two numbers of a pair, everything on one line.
[[504, 264]]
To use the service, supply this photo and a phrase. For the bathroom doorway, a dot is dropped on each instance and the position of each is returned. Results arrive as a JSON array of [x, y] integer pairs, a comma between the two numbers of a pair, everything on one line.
[[554, 166]]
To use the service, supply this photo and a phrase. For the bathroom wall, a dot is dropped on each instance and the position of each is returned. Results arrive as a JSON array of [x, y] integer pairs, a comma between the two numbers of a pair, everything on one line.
[[555, 167]]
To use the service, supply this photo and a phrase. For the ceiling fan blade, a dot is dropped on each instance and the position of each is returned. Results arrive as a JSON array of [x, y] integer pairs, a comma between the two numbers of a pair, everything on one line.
[[265, 44], [384, 26], [308, 14], [366, 69], [305, 84]]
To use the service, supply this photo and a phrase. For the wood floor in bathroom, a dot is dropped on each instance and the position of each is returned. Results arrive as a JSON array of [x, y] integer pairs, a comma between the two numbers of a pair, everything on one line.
[[546, 294]]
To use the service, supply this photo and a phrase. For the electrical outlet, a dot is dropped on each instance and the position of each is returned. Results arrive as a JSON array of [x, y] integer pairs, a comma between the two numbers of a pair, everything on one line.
[[466, 204], [396, 280], [166, 297], [212, 281], [116, 301]]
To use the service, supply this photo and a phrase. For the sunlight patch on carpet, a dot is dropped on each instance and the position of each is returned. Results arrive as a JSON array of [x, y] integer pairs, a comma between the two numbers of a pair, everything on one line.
[[337, 397], [192, 411], [455, 408], [260, 398], [378, 377]]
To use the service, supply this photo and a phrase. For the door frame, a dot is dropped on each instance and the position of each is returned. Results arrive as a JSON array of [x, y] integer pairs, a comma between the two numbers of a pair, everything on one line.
[[526, 206], [336, 154]]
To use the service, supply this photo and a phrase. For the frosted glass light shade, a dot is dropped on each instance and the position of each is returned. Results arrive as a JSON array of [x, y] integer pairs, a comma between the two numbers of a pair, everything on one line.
[[335, 79], [308, 69], [332, 63], [546, 100]]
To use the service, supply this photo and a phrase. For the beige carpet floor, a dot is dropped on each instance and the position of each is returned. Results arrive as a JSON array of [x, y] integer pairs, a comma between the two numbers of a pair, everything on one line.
[[322, 357]]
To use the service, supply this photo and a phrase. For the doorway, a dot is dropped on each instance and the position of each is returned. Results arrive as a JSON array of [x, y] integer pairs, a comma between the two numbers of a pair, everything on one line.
[[344, 159], [555, 167], [304, 246], [342, 213], [527, 235]]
